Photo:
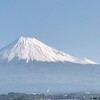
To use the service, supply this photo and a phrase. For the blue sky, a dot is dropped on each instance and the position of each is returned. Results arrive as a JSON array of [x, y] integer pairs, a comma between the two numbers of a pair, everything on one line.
[[72, 26]]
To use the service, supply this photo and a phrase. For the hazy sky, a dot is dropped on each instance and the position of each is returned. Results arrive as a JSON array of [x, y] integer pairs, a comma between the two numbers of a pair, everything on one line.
[[72, 26]]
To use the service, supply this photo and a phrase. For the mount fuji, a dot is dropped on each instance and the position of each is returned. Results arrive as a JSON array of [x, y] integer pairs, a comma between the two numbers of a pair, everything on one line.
[[28, 65], [30, 49]]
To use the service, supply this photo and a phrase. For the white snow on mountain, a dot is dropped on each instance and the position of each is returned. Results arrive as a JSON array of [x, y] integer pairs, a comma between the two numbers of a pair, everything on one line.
[[30, 49]]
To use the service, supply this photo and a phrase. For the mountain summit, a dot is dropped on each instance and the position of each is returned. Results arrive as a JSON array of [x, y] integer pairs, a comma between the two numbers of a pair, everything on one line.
[[30, 49]]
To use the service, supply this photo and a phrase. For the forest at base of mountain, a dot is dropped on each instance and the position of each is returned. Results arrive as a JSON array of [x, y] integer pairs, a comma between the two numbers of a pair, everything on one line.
[[65, 96]]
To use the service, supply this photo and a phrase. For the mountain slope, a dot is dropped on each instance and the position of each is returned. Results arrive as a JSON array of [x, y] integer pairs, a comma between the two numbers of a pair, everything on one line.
[[35, 67], [56, 76], [30, 49]]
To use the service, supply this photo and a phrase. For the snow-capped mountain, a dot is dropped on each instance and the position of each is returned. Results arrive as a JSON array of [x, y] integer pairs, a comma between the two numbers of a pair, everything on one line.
[[30, 49], [28, 65]]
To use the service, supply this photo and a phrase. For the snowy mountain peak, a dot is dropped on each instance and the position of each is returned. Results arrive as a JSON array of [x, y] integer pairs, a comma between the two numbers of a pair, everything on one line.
[[30, 49]]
